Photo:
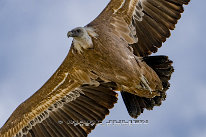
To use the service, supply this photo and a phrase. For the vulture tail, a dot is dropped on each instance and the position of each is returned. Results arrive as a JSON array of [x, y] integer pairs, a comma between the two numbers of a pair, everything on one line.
[[163, 67]]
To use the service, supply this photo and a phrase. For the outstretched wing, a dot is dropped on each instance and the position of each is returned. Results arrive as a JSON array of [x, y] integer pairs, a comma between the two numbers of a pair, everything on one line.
[[61, 107], [147, 22]]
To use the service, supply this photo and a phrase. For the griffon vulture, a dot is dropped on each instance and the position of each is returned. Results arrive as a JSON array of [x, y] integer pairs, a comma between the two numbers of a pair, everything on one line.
[[109, 54]]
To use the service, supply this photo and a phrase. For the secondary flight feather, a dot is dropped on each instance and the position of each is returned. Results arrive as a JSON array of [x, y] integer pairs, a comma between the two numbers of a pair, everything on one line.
[[109, 54]]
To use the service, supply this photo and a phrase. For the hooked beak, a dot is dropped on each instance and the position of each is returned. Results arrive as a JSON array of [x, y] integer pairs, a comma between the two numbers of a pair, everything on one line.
[[69, 34]]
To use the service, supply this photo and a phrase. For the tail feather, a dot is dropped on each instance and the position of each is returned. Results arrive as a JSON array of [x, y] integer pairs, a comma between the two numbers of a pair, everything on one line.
[[163, 67]]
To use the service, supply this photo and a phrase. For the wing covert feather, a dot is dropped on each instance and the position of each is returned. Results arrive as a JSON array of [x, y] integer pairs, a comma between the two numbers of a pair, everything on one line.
[[152, 21]]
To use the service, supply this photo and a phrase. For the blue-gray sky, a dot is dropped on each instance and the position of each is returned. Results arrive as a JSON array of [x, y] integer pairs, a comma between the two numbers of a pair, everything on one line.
[[33, 44]]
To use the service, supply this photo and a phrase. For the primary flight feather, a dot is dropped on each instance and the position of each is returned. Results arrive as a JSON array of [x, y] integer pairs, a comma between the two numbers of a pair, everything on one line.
[[109, 54]]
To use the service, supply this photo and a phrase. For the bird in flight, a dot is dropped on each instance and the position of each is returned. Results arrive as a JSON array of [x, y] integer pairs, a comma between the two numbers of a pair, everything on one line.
[[112, 53]]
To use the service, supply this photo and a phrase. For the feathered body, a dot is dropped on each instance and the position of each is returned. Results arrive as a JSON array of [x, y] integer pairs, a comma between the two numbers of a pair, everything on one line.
[[111, 60]]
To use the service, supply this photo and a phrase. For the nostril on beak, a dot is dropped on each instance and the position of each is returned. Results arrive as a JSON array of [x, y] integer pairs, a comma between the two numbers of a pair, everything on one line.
[[69, 34]]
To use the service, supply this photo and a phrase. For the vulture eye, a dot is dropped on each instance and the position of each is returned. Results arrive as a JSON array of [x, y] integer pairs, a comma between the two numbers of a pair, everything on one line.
[[78, 31]]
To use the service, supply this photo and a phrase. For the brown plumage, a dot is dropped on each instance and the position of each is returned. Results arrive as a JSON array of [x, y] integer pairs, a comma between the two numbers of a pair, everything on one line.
[[109, 54]]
